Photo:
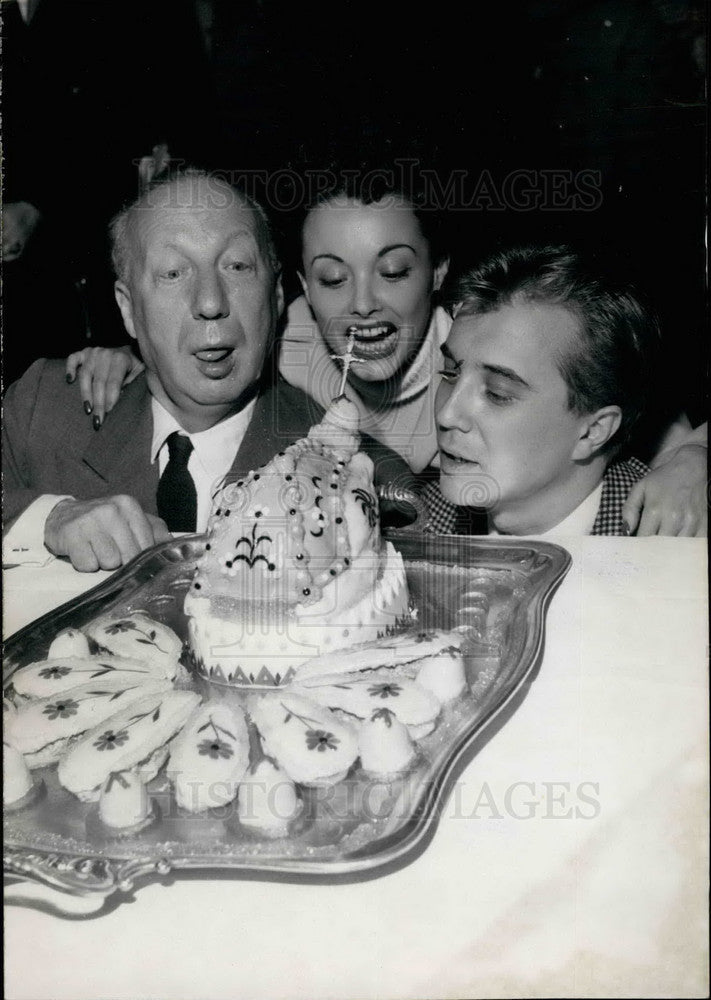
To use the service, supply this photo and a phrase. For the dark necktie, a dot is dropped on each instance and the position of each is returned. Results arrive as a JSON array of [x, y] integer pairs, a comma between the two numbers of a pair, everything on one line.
[[177, 497]]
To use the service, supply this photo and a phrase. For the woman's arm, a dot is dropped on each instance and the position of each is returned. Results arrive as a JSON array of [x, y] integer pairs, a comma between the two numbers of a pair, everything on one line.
[[673, 498], [103, 372]]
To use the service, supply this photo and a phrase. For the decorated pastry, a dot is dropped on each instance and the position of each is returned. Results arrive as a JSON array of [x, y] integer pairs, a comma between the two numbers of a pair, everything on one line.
[[137, 636], [384, 744], [135, 738], [391, 651], [124, 804], [51, 677], [44, 729], [294, 565], [17, 783], [209, 757], [410, 703], [308, 741], [443, 675], [69, 643], [267, 801]]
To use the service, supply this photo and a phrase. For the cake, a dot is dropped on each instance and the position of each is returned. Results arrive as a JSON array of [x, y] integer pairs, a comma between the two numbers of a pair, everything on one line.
[[267, 801], [294, 564]]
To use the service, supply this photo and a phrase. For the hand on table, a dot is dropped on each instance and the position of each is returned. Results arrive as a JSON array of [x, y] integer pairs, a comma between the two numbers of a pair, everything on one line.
[[102, 534], [103, 373], [672, 499]]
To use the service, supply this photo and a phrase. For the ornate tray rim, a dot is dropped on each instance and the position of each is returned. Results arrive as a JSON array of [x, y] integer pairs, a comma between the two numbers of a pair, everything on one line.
[[103, 876]]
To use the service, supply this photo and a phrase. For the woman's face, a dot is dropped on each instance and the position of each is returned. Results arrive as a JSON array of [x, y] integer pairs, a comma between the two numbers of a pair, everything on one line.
[[367, 269]]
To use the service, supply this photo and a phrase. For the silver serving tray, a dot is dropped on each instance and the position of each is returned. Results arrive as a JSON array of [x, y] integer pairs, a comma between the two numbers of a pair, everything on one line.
[[496, 590]]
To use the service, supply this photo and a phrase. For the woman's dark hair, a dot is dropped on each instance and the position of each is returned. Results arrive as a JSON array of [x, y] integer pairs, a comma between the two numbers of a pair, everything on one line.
[[615, 355]]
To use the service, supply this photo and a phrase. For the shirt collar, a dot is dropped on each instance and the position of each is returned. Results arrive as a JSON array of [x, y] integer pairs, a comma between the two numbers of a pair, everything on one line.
[[579, 522], [215, 448]]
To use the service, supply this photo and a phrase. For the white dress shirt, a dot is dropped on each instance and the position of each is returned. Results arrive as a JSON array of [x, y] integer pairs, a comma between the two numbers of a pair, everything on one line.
[[213, 453], [212, 456], [579, 522]]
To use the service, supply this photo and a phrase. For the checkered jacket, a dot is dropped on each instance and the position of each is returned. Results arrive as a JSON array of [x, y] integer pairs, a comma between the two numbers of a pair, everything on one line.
[[444, 518]]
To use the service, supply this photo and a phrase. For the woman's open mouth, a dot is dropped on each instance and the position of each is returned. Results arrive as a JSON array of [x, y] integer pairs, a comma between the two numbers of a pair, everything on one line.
[[373, 340]]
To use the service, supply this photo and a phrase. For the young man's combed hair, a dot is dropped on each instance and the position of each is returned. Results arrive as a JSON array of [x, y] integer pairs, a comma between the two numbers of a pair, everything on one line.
[[618, 336]]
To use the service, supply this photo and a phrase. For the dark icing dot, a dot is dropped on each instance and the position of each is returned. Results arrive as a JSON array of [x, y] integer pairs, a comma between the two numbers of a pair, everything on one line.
[[241, 482], [227, 513], [332, 572], [292, 511], [256, 477], [347, 561], [334, 486], [208, 547], [218, 511], [228, 564], [288, 478], [299, 555], [197, 586], [281, 454], [306, 591], [339, 520], [271, 567], [257, 513]]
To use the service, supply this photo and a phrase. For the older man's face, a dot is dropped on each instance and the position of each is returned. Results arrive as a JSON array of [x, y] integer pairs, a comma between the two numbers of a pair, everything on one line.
[[200, 298]]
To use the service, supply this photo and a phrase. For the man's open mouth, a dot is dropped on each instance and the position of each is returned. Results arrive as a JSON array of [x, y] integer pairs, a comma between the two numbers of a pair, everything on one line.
[[213, 354]]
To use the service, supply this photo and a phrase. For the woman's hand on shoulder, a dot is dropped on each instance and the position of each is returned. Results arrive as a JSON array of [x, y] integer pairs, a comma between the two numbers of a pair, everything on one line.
[[673, 498], [103, 372]]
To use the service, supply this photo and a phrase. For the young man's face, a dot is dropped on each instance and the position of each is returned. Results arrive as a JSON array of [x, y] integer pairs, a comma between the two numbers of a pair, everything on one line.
[[506, 436], [201, 299]]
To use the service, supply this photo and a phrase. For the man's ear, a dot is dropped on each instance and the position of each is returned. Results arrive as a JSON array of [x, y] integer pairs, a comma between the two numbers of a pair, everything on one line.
[[123, 300], [440, 273], [596, 430], [304, 286]]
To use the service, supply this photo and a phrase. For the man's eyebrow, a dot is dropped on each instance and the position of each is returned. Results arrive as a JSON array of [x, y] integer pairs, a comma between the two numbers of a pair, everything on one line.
[[396, 246], [507, 373]]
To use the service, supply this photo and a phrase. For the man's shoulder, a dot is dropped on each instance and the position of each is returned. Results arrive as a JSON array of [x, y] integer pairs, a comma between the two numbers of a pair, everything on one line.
[[617, 482]]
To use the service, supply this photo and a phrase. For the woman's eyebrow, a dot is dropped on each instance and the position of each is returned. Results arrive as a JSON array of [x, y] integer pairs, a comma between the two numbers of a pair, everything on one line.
[[396, 246], [328, 256]]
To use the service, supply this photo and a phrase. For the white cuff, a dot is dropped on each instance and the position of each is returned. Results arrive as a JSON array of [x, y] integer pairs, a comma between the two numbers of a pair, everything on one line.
[[23, 545]]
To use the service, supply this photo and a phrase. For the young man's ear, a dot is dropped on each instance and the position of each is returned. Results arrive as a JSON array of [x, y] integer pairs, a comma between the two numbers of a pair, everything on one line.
[[123, 300], [597, 429], [440, 273]]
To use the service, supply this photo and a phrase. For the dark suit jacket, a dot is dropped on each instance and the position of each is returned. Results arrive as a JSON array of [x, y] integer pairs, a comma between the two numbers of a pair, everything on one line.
[[49, 445]]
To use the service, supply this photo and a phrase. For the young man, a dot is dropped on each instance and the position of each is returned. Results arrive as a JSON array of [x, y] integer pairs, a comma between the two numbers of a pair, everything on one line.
[[545, 373]]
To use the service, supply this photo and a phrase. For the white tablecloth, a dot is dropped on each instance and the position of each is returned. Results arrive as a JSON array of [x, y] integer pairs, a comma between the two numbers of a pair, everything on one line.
[[571, 859]]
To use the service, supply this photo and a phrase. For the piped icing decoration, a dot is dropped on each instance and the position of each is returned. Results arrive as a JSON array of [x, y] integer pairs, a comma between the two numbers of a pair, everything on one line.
[[209, 757]]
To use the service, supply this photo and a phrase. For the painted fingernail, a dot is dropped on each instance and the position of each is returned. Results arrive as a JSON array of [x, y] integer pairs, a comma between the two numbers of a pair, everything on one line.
[[96, 423], [87, 407], [69, 377], [625, 527]]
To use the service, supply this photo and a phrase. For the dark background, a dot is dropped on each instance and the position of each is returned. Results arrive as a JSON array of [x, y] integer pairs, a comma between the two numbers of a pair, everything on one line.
[[601, 104]]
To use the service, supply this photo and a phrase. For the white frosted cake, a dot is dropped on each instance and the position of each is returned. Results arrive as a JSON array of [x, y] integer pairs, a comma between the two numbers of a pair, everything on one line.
[[294, 565]]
